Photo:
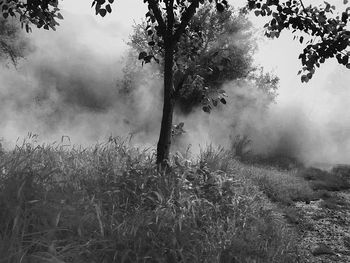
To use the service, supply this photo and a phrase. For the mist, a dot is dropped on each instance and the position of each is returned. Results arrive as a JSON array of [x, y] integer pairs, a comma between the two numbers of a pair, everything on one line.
[[66, 86]]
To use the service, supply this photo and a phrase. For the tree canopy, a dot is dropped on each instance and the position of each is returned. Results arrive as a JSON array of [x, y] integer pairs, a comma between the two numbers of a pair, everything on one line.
[[216, 48]]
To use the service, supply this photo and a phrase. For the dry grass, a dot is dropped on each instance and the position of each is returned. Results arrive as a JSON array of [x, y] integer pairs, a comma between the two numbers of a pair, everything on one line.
[[280, 186], [323, 180], [108, 203]]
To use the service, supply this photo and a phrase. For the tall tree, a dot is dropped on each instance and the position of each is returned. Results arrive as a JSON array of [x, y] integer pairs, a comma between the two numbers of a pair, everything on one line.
[[172, 18]]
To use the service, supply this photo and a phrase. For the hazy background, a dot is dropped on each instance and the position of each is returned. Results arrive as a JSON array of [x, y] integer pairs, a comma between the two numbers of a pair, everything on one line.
[[67, 86]]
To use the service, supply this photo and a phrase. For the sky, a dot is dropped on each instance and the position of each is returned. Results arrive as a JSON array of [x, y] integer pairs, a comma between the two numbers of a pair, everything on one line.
[[87, 51]]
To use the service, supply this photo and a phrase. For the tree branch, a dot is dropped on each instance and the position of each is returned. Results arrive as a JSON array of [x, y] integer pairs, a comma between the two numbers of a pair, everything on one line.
[[170, 15], [154, 7], [304, 9], [185, 19]]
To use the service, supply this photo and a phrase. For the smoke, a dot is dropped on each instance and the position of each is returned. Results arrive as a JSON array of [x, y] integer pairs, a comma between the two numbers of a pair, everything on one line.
[[309, 123], [67, 87]]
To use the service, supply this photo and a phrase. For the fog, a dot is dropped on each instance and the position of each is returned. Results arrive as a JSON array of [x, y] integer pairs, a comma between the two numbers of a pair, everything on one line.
[[66, 86]]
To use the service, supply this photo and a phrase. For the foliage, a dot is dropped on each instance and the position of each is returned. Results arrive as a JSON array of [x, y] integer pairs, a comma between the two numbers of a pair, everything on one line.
[[12, 44], [41, 13], [171, 20], [216, 48], [331, 36], [109, 203]]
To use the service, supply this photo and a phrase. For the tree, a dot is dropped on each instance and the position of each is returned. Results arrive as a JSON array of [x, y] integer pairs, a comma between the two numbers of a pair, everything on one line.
[[41, 13], [224, 49], [171, 19], [216, 48], [330, 31], [13, 45]]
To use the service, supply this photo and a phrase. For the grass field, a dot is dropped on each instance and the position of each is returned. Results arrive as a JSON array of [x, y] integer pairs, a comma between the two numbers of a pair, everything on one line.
[[108, 203]]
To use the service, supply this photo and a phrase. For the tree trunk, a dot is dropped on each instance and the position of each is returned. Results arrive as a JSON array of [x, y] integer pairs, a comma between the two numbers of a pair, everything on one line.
[[163, 147]]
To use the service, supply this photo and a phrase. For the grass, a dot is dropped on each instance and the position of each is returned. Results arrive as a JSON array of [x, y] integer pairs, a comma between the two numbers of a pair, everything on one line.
[[108, 203], [323, 180], [280, 186]]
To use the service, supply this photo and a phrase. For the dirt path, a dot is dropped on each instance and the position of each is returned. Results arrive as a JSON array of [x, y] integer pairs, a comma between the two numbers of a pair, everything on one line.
[[326, 229]]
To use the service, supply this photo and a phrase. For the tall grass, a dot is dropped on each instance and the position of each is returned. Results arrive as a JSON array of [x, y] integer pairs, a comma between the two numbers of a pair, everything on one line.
[[109, 203]]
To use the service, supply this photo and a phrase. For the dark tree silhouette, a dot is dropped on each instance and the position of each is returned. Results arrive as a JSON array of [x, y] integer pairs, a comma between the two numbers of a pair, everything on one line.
[[41, 13], [329, 30]]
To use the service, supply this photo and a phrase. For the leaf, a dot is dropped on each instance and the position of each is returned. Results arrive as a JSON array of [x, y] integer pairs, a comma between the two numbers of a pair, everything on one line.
[[206, 109], [111, 1], [149, 32], [301, 39], [59, 16], [148, 58], [151, 43], [102, 12], [348, 66], [142, 55], [339, 58], [109, 8], [220, 7], [223, 101], [304, 78], [28, 29]]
